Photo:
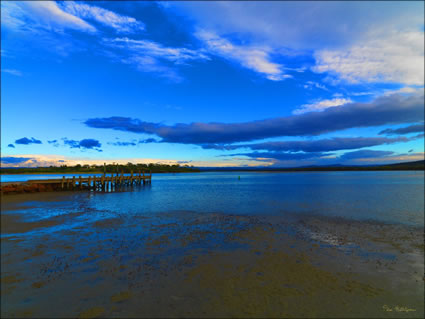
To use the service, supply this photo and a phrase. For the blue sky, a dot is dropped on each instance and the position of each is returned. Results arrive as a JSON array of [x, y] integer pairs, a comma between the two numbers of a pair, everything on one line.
[[212, 83]]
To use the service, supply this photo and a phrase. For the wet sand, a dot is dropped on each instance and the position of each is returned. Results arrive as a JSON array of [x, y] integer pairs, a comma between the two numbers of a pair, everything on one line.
[[188, 264]]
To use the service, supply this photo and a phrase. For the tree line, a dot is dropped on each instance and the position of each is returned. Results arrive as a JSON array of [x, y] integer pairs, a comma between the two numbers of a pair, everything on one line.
[[108, 168]]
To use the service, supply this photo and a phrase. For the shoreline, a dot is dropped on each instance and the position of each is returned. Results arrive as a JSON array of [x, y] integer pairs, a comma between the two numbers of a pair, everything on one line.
[[85, 173], [189, 263], [361, 169], [51, 173]]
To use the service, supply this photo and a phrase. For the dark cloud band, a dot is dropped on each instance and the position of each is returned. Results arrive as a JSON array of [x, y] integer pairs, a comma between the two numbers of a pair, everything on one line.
[[415, 128], [26, 141], [85, 144], [393, 109], [323, 145]]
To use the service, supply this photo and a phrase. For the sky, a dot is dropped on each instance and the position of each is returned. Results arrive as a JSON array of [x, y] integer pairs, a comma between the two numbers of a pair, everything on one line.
[[277, 84]]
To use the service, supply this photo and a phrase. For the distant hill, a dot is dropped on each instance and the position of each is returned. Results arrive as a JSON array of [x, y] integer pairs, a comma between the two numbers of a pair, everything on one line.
[[407, 166]]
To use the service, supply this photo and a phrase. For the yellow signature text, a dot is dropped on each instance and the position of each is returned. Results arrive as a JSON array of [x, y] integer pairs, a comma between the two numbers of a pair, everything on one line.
[[397, 309]]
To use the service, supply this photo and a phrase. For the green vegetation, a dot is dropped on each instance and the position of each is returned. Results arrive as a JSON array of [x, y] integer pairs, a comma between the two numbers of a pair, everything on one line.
[[110, 168], [164, 168]]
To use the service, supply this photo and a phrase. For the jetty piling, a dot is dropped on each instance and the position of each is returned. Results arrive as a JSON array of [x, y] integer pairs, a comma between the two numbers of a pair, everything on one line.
[[96, 183]]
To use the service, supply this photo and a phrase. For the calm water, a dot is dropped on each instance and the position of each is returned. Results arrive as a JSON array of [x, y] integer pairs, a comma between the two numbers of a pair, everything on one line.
[[26, 177], [395, 197], [210, 243]]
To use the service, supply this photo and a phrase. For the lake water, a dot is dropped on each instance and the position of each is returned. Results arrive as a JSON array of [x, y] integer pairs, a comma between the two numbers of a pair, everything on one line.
[[226, 244], [26, 177], [393, 196]]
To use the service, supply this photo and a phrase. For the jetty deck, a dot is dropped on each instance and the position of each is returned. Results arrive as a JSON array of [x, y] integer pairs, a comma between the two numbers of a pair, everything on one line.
[[103, 182]]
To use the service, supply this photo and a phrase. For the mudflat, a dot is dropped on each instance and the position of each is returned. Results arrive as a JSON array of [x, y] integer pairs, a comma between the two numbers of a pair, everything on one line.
[[190, 264]]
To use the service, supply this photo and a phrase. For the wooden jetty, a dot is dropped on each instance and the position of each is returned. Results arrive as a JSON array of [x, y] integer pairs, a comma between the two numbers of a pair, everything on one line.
[[101, 183]]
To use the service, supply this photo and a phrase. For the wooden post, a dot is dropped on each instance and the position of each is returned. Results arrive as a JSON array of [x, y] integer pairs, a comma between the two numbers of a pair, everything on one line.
[[104, 169], [63, 182], [89, 182], [102, 180], [73, 182], [131, 178], [81, 182]]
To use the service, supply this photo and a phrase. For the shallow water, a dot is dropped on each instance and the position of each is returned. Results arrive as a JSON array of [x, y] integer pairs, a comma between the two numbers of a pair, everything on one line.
[[310, 244], [394, 197]]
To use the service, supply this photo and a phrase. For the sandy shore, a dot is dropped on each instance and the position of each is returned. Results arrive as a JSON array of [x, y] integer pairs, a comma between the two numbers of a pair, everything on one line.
[[189, 264]]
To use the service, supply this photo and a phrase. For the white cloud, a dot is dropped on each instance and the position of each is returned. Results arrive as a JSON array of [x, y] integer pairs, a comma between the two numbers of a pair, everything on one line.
[[298, 25], [12, 71], [252, 57], [12, 15], [321, 105], [355, 41], [42, 14], [151, 48], [152, 57], [122, 24], [152, 65], [310, 84], [397, 57], [34, 15], [404, 90]]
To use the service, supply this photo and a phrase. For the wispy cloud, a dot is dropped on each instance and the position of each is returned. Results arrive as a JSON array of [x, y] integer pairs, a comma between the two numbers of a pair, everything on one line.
[[322, 145], [120, 23], [122, 143], [286, 24], [321, 105], [32, 15], [397, 57], [282, 156], [415, 128], [394, 109], [153, 57], [56, 16], [11, 145], [255, 58], [357, 42], [157, 50], [148, 140], [360, 157], [12, 71], [309, 85], [151, 65], [54, 143], [365, 154]]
